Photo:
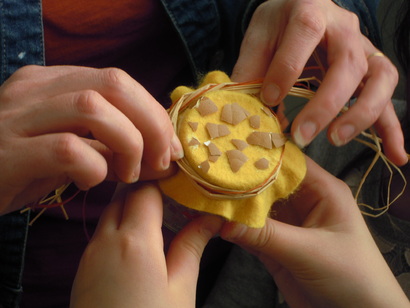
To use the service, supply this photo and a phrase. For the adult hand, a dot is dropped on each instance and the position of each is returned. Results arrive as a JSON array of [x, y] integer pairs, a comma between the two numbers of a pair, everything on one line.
[[281, 38], [321, 253], [74, 124], [124, 263]]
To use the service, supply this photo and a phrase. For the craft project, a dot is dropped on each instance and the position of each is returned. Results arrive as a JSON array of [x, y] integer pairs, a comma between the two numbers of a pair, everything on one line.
[[237, 161]]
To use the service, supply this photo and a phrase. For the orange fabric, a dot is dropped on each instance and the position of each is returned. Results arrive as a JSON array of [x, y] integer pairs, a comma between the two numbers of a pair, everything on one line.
[[80, 31], [134, 35]]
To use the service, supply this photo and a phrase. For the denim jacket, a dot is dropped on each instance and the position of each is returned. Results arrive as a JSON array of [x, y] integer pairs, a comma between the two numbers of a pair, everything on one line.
[[211, 32]]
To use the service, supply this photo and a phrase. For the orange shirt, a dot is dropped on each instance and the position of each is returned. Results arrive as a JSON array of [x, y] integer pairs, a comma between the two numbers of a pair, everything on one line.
[[136, 36]]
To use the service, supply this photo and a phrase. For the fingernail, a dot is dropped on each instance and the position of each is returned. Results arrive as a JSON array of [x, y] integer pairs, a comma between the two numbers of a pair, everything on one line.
[[166, 160], [177, 152], [270, 94], [342, 135], [304, 133], [136, 174]]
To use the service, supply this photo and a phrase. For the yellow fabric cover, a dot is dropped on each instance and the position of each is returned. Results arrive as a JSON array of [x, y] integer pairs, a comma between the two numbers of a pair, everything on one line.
[[250, 211], [220, 173]]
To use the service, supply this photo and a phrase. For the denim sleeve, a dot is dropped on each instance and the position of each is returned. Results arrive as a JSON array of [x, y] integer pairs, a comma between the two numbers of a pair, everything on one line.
[[366, 11], [21, 39], [211, 31], [235, 16]]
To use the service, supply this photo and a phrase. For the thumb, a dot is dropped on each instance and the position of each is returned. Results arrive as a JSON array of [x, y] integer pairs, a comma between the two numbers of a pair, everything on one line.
[[276, 241], [186, 250]]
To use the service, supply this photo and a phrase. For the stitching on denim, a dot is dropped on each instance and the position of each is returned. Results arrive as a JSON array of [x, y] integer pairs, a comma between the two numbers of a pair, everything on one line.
[[3, 44], [41, 25]]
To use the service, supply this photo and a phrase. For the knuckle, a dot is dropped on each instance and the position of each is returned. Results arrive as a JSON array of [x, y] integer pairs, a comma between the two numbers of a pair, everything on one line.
[[290, 66], [10, 92], [65, 148], [87, 102], [192, 248], [129, 243], [334, 186], [26, 70], [312, 24], [114, 77], [352, 20], [11, 89], [370, 112], [330, 110], [344, 189], [257, 40], [263, 238], [259, 11], [360, 66], [389, 69]]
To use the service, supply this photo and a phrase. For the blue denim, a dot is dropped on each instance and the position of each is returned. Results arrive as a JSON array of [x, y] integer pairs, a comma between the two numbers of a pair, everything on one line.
[[366, 11], [21, 35], [211, 31]]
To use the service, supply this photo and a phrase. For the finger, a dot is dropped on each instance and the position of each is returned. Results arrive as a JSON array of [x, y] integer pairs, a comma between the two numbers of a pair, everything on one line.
[[13, 198], [374, 106], [111, 217], [303, 33], [143, 210], [358, 118], [391, 133], [65, 155], [119, 89], [378, 86], [148, 116], [339, 83], [276, 240], [149, 174], [284, 250], [256, 50], [317, 185], [136, 210], [31, 72], [186, 249], [87, 111]]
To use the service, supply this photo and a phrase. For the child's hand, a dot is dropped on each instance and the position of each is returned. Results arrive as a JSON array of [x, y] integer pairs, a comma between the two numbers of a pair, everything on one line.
[[321, 253], [124, 264]]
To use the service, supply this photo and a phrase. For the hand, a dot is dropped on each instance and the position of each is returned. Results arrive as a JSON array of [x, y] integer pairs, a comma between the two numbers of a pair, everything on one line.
[[281, 38], [74, 124], [321, 253], [124, 263]]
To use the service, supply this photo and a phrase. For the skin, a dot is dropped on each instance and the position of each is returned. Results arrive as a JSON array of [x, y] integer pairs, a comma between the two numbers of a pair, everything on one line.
[[318, 249], [78, 125], [279, 42], [52, 112], [124, 264]]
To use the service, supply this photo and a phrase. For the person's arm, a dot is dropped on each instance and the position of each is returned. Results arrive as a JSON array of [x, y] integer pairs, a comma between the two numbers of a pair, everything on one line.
[[278, 43], [67, 124], [319, 250], [124, 263]]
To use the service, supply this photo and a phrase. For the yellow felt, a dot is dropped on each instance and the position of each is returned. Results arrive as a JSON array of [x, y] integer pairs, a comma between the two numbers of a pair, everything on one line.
[[251, 211], [220, 173], [214, 77]]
